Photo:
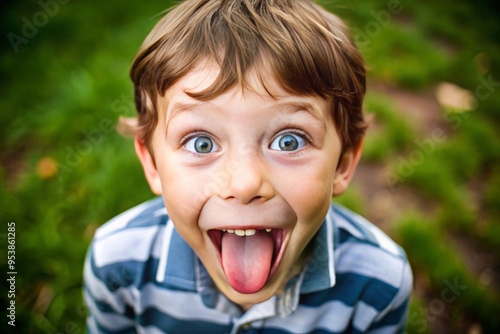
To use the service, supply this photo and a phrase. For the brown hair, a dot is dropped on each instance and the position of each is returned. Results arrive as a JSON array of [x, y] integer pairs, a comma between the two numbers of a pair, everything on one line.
[[307, 47]]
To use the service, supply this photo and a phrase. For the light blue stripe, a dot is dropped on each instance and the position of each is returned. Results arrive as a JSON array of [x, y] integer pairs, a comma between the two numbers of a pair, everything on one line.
[[122, 221], [185, 306], [332, 316], [365, 259], [117, 247], [373, 280]]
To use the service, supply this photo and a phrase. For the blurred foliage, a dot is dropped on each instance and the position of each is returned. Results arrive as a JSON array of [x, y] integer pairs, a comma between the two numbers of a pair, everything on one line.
[[65, 171], [390, 131]]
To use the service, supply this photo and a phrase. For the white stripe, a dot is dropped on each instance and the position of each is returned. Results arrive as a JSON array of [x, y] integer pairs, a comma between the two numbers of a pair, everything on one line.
[[406, 287], [385, 330], [403, 292], [162, 265], [179, 304], [99, 291], [363, 316], [160, 212], [343, 223], [121, 220], [92, 326], [150, 330], [129, 244], [384, 241], [332, 316], [331, 263], [370, 261], [117, 299], [259, 311]]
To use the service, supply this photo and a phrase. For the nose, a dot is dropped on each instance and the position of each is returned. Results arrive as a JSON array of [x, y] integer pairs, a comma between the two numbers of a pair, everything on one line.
[[248, 179]]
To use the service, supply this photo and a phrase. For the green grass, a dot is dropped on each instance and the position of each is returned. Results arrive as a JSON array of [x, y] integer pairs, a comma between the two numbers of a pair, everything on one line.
[[438, 258], [391, 133], [65, 88]]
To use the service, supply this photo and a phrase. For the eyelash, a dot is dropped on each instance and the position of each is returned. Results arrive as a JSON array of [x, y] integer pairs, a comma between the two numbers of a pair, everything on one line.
[[292, 130], [193, 134]]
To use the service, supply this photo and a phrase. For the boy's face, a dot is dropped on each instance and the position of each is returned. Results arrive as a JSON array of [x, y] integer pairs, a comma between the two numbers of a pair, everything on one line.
[[245, 163]]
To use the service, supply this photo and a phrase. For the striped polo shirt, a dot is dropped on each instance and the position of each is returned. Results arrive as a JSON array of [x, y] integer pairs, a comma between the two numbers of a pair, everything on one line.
[[142, 277]]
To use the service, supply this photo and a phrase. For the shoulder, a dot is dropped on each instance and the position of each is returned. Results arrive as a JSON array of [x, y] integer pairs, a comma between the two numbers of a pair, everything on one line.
[[148, 214], [364, 249], [128, 246], [370, 263], [353, 229]]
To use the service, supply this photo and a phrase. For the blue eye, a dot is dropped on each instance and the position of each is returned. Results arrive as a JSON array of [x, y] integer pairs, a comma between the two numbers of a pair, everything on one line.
[[201, 144], [287, 142]]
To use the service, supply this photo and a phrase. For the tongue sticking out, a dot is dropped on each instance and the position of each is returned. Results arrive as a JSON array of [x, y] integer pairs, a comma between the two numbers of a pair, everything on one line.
[[247, 260]]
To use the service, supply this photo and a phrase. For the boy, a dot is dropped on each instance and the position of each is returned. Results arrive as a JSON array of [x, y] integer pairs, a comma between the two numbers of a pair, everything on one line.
[[249, 122]]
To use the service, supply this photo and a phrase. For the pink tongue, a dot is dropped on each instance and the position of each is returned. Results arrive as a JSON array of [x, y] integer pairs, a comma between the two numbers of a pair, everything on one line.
[[247, 260]]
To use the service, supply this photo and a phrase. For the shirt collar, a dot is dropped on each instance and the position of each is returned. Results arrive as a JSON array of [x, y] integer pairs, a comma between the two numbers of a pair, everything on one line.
[[320, 263], [177, 261]]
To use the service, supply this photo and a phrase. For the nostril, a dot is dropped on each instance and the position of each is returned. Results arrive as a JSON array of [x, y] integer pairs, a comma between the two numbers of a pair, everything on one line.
[[253, 199]]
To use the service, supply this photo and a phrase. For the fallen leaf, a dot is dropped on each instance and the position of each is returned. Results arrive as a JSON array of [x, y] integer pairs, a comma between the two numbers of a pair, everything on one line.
[[46, 168], [453, 98]]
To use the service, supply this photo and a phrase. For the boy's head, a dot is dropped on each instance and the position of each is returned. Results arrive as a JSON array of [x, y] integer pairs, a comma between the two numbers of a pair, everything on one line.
[[250, 120]]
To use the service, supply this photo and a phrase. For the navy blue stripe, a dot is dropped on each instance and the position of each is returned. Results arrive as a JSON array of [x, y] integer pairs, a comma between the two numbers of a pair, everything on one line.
[[344, 236], [104, 330], [368, 235], [351, 288], [139, 273], [102, 306], [168, 324], [125, 274], [350, 330], [393, 317]]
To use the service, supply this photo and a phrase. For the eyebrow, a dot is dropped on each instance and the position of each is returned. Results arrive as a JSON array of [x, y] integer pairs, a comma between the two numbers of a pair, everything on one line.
[[182, 106], [293, 107], [177, 107], [287, 107]]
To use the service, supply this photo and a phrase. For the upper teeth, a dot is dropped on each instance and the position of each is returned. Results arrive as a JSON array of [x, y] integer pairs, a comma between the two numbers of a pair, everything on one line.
[[243, 233]]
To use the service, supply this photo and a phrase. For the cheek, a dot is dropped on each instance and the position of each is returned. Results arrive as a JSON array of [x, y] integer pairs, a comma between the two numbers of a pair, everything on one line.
[[182, 195], [309, 192]]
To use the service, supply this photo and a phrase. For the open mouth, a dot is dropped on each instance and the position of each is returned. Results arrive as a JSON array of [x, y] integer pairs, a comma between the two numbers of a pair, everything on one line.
[[249, 257]]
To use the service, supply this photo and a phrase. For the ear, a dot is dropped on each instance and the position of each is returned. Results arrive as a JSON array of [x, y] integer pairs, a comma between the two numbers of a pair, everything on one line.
[[149, 166], [346, 168]]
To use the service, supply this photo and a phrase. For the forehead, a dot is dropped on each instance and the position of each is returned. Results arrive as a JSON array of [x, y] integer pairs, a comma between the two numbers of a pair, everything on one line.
[[260, 87], [260, 79]]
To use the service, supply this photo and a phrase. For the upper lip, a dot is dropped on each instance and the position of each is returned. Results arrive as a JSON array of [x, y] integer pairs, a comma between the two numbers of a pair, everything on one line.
[[222, 214]]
